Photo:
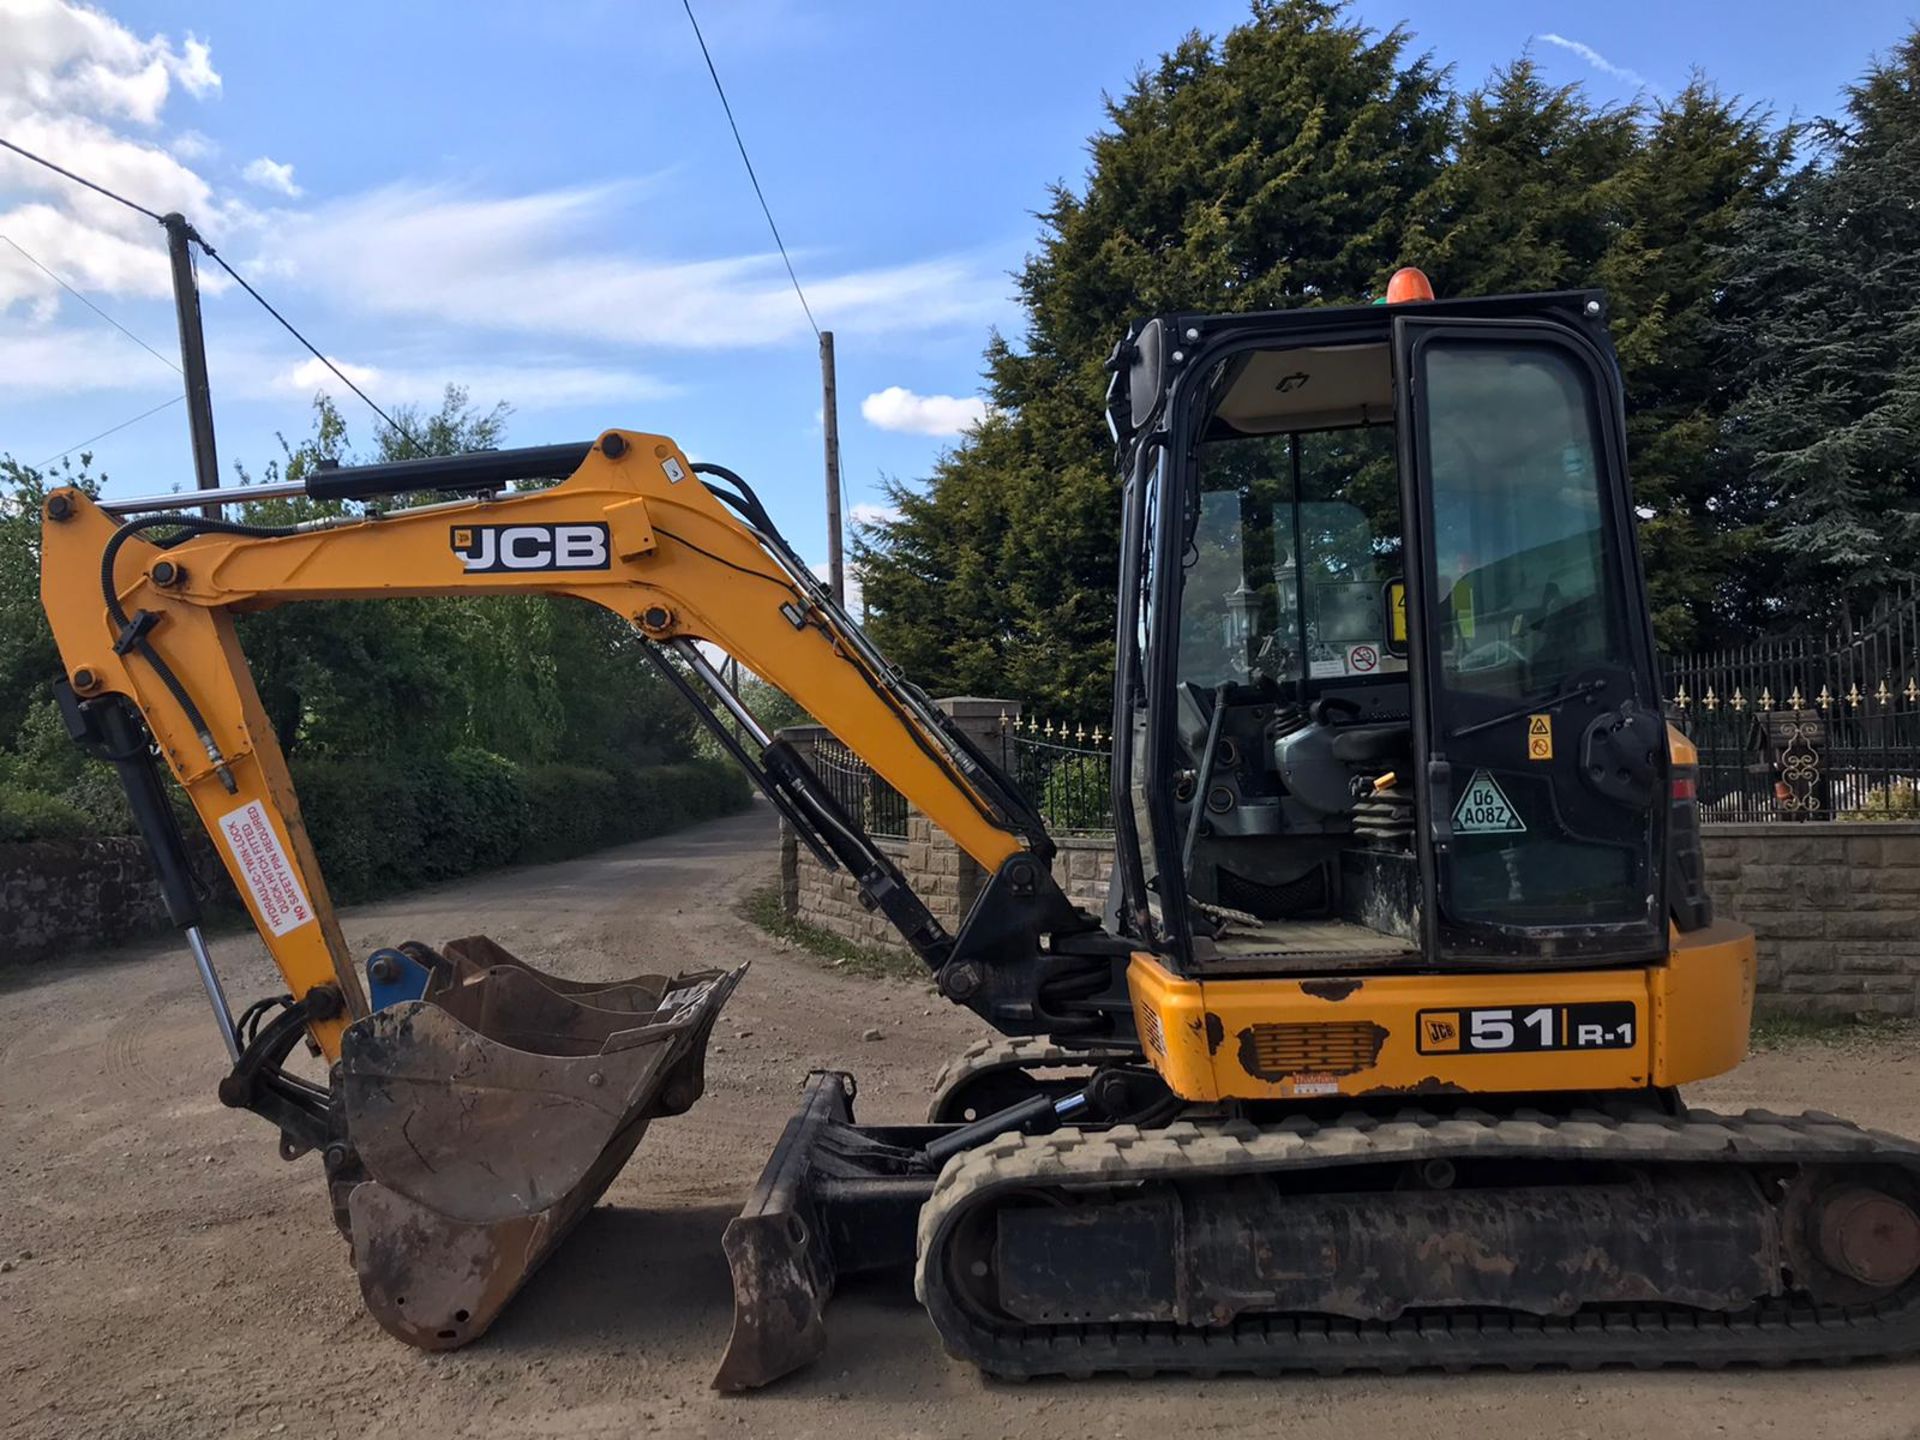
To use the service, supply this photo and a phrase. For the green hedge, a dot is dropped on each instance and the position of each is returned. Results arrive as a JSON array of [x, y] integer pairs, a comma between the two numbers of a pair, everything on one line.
[[388, 825], [572, 808], [32, 815], [383, 826]]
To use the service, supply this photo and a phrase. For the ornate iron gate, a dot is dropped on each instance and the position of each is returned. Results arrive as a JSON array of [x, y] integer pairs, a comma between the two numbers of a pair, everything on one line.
[[1808, 727]]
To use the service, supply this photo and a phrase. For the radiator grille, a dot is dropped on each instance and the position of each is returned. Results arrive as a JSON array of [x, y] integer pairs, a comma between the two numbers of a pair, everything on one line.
[[1150, 1030], [1322, 1047]]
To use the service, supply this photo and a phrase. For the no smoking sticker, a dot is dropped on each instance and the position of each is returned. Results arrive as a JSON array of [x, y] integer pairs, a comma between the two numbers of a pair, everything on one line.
[[1483, 809], [1361, 659]]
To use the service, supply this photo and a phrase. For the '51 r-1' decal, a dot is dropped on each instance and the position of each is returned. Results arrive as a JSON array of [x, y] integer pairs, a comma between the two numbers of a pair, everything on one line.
[[1596, 1025]]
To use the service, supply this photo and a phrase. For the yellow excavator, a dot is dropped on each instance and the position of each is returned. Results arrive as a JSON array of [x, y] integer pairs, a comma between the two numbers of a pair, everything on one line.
[[1371, 1061]]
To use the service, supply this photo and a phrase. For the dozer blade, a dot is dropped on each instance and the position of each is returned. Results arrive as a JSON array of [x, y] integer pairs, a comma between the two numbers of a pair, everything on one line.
[[835, 1198], [487, 1117]]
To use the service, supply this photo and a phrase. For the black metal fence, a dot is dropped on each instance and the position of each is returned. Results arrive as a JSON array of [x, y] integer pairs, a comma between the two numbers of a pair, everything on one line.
[[1065, 772], [1061, 770], [1808, 726], [881, 809]]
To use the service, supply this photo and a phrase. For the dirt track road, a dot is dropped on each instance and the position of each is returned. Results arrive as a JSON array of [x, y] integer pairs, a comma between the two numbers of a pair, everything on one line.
[[171, 1277]]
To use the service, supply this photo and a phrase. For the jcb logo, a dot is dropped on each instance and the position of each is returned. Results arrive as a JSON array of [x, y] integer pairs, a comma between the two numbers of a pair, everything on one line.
[[531, 547]]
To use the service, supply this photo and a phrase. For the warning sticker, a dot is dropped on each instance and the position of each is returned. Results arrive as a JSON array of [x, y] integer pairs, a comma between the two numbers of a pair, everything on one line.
[[277, 896], [1362, 659], [1539, 737], [1313, 1083], [1484, 810]]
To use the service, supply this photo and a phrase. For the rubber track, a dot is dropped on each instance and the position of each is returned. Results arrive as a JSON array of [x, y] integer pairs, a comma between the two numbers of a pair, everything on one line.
[[999, 1053], [1773, 1333]]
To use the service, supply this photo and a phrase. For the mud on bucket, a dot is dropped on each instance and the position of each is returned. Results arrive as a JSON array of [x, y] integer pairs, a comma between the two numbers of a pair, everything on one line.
[[485, 1118]]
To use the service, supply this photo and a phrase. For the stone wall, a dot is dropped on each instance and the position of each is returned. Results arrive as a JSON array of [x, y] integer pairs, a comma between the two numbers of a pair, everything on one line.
[[1836, 908], [943, 876], [826, 898], [60, 896], [1082, 867]]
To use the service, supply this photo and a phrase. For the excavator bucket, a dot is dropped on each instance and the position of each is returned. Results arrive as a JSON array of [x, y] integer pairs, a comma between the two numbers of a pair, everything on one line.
[[485, 1118]]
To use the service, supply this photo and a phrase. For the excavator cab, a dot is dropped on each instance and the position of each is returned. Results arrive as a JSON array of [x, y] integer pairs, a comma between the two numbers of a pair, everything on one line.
[[1390, 696]]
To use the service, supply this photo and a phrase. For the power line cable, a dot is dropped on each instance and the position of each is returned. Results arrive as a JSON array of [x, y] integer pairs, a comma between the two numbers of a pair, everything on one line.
[[89, 304], [78, 179], [312, 349], [111, 430], [745, 160], [240, 280]]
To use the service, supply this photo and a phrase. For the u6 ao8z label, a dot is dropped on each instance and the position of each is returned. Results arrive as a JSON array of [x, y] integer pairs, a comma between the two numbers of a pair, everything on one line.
[[1494, 1030]]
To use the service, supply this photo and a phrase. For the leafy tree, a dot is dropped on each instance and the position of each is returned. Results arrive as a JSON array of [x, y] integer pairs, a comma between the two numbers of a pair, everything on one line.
[[1274, 167], [1531, 198], [530, 677], [1547, 192], [1298, 161], [1823, 316], [1704, 163]]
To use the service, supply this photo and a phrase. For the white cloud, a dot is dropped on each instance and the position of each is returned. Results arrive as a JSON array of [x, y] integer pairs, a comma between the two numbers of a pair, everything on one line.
[[61, 56], [1600, 62], [271, 175], [533, 386], [116, 105], [898, 408], [191, 145], [70, 75], [868, 513], [312, 374], [46, 361], [531, 263], [194, 68]]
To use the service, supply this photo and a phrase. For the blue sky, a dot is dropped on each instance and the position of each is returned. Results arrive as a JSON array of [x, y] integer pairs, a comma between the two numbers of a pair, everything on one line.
[[542, 201]]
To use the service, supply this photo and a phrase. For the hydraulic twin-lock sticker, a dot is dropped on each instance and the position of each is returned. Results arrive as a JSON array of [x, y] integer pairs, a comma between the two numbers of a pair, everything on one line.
[[265, 869], [1485, 810]]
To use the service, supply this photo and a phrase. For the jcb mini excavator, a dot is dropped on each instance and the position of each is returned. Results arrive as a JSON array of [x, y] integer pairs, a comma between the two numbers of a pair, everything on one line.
[[1372, 1061]]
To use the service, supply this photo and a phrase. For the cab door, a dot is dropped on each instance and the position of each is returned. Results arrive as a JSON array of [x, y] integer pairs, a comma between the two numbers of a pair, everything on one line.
[[1535, 698]]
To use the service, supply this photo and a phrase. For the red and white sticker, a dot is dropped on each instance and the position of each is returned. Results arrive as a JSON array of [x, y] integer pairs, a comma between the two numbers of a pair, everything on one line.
[[1362, 659], [277, 897], [1310, 1083]]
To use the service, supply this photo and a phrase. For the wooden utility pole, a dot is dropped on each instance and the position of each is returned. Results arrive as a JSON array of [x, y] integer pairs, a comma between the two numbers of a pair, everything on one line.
[[193, 355], [830, 420]]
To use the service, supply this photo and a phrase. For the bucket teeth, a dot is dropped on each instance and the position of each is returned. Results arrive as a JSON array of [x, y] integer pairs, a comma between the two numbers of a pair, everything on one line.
[[491, 1114]]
